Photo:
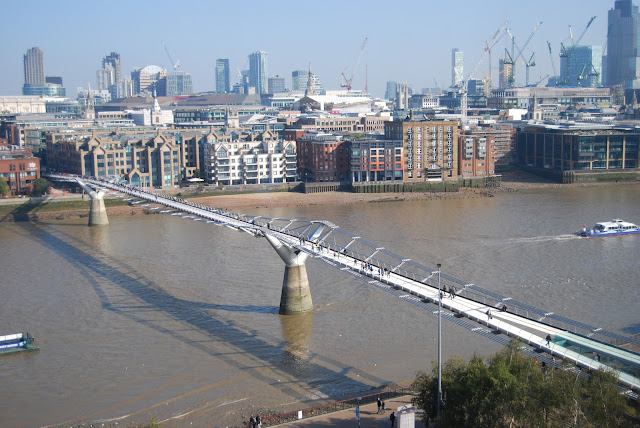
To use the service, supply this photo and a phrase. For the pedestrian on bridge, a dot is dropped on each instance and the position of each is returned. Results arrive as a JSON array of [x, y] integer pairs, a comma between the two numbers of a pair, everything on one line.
[[379, 405], [489, 314]]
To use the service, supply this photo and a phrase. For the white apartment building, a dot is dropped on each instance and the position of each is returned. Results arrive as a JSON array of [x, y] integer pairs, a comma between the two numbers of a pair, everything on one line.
[[248, 162]]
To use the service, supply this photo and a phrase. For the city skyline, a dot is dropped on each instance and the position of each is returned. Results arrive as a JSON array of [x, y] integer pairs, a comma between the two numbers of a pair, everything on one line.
[[405, 50]]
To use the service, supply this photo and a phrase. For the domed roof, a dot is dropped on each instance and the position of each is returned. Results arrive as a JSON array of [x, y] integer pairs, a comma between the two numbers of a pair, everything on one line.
[[152, 69]]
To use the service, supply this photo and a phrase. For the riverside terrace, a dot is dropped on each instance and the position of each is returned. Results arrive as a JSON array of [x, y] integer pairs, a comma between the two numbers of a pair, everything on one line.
[[479, 310]]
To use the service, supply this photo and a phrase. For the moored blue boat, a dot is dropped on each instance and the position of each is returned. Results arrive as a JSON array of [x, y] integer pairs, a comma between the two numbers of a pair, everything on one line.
[[615, 227], [19, 342]]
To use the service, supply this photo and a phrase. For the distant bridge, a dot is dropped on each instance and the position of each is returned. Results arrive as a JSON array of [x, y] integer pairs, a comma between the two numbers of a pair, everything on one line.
[[480, 310]]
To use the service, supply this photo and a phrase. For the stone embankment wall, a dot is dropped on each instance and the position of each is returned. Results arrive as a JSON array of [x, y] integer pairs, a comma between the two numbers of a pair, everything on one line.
[[194, 189], [608, 176], [391, 187]]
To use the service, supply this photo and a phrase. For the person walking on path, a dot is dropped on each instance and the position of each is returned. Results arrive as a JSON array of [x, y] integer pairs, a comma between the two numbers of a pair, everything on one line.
[[392, 418], [252, 422], [258, 421], [382, 408], [548, 339], [379, 405], [488, 314]]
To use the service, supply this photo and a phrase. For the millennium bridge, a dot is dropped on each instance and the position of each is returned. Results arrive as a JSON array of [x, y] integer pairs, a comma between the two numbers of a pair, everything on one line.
[[548, 336]]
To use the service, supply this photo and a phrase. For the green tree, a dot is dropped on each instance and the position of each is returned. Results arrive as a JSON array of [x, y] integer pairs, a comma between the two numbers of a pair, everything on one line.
[[4, 188], [604, 406], [40, 186], [511, 389]]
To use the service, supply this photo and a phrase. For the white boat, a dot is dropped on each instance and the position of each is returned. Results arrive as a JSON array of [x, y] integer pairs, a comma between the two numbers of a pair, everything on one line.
[[18, 342], [615, 227]]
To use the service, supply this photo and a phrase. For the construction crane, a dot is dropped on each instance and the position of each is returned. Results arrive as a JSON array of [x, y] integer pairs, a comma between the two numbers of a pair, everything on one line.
[[496, 38], [540, 81], [486, 79], [514, 58], [464, 89], [175, 64], [527, 64], [568, 52], [347, 81], [553, 64]]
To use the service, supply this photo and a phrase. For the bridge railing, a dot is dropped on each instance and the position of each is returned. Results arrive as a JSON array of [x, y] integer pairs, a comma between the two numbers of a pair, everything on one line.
[[334, 238]]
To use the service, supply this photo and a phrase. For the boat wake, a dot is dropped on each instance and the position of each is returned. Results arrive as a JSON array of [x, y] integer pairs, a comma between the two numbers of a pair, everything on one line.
[[563, 237]]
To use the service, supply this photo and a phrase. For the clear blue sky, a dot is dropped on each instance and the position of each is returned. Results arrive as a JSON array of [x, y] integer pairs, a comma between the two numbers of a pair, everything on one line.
[[409, 41]]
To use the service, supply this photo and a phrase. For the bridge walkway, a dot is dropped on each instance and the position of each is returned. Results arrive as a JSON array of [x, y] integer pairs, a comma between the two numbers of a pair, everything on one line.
[[315, 238]]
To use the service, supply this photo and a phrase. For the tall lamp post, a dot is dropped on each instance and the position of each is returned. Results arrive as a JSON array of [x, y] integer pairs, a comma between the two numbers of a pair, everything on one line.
[[439, 265]]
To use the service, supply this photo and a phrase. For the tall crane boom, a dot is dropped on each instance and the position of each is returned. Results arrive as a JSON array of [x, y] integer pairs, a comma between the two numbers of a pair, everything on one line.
[[496, 37], [465, 84], [176, 64], [553, 64], [568, 52], [347, 81], [517, 56]]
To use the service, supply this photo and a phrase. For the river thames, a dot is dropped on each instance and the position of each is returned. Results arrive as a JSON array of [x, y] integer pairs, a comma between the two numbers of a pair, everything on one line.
[[157, 315]]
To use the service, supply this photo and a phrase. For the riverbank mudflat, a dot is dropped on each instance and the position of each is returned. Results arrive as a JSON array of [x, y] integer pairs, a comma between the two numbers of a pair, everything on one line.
[[511, 182]]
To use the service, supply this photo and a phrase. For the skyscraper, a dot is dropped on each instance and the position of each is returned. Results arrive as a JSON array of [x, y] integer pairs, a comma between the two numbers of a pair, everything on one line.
[[457, 67], [114, 60], [34, 67], [149, 79], [258, 71], [179, 83], [505, 79], [105, 78], [276, 84], [623, 55], [35, 81], [222, 76], [390, 91], [300, 81], [581, 67], [110, 75]]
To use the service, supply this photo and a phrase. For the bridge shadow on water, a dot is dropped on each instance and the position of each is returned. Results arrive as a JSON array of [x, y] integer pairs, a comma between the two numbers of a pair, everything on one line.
[[310, 381]]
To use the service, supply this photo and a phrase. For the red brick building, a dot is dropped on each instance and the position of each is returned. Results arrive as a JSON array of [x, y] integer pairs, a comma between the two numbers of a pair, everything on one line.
[[477, 155], [322, 157], [19, 168], [376, 160]]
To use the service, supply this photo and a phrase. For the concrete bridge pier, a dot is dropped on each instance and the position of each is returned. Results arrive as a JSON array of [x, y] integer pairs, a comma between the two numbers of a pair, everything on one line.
[[296, 295], [97, 212]]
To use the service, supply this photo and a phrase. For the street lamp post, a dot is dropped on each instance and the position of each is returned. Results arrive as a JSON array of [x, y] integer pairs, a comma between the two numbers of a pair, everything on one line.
[[439, 265]]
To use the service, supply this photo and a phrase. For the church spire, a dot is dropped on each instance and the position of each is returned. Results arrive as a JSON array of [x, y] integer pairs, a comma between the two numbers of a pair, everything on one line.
[[90, 112], [311, 88], [156, 104]]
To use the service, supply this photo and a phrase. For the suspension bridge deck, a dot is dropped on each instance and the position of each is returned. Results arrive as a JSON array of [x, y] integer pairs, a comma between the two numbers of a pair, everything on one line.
[[470, 306]]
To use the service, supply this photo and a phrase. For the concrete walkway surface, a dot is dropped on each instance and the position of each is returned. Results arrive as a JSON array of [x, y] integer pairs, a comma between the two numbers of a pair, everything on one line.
[[368, 416]]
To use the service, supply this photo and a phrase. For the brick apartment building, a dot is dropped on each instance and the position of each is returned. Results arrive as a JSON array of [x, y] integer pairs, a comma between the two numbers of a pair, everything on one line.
[[19, 168]]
